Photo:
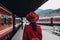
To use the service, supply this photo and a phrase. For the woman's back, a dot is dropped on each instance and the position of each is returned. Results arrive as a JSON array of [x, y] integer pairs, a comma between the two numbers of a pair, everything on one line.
[[30, 34]]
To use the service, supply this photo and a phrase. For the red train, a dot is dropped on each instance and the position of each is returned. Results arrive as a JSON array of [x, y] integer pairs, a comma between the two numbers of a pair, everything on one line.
[[6, 23], [50, 20], [44, 20], [56, 20]]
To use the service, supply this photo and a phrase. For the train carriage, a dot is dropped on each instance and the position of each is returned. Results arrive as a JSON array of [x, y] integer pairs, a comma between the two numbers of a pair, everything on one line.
[[44, 20], [6, 23], [56, 20]]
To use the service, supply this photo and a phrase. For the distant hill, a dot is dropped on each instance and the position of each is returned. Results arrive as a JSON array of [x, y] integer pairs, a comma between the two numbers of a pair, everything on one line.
[[48, 12], [57, 10]]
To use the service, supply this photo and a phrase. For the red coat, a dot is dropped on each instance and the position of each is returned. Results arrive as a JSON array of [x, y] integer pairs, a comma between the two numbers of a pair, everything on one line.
[[29, 34]]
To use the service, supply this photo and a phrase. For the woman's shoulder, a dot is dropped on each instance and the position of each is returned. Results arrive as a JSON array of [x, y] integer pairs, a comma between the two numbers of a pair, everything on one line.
[[27, 26], [38, 26]]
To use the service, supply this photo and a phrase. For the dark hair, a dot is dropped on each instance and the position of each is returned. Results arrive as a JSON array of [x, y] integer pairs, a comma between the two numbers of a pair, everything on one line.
[[34, 26]]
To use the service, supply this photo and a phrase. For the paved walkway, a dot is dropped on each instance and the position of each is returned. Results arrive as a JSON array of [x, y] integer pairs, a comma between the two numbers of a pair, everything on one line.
[[49, 36], [18, 35], [46, 35]]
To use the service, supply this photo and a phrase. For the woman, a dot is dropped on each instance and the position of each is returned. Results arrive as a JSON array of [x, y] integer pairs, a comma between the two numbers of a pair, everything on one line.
[[32, 31]]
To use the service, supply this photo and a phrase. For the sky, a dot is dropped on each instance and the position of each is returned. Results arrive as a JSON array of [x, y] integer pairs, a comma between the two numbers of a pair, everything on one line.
[[51, 4]]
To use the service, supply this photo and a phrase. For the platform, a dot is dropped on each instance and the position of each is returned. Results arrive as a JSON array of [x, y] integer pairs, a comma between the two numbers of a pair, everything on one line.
[[47, 34]]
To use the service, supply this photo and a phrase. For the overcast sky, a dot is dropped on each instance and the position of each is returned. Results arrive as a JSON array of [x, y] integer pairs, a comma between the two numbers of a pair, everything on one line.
[[51, 4]]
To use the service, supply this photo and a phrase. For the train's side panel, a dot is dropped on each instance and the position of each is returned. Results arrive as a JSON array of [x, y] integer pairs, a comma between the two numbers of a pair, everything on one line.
[[56, 20], [5, 23], [44, 21], [53, 21]]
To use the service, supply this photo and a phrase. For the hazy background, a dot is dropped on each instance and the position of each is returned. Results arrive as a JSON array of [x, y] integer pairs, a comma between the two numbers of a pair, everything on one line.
[[49, 9]]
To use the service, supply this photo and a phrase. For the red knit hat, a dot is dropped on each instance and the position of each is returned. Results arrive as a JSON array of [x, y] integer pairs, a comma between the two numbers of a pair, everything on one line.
[[32, 17]]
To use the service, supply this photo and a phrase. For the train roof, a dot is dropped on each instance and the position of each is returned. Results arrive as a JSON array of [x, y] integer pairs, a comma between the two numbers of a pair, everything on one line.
[[56, 17], [49, 17], [22, 7], [44, 17], [5, 11]]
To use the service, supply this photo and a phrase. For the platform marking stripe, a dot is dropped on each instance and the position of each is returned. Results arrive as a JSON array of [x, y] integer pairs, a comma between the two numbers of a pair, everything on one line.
[[5, 30]]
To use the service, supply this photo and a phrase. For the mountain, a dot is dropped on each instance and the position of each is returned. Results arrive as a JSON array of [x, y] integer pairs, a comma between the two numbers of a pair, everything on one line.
[[39, 11], [57, 10], [48, 12]]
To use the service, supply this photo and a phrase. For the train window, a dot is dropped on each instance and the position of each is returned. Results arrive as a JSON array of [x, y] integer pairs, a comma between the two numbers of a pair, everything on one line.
[[17, 20], [2, 21], [8, 20], [57, 19], [44, 20]]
